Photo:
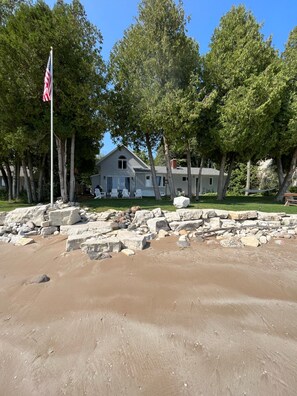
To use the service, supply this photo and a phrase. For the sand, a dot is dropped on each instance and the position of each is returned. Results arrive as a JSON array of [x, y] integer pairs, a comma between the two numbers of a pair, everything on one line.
[[205, 320]]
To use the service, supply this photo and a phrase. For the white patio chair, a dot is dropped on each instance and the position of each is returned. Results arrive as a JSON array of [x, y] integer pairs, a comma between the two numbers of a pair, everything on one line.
[[98, 194], [125, 193], [138, 193], [114, 193]]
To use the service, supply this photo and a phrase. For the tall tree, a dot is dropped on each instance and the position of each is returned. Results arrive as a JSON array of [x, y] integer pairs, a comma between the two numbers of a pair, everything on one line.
[[238, 53]]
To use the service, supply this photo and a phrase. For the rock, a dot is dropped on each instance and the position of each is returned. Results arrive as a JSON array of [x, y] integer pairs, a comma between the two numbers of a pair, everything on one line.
[[141, 217], [263, 240], [128, 252], [5, 239], [104, 216], [214, 223], [74, 241], [222, 214], [25, 241], [250, 241], [163, 233], [189, 214], [279, 242], [45, 223], [208, 213], [97, 227], [172, 216], [157, 223], [24, 229], [243, 215], [183, 241], [270, 216], [181, 202], [131, 240], [94, 247], [289, 221], [231, 243], [157, 212], [66, 216], [41, 279], [2, 218], [190, 225], [48, 230], [32, 213]]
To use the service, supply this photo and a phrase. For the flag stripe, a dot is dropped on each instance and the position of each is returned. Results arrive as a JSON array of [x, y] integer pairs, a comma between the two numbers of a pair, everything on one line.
[[47, 91]]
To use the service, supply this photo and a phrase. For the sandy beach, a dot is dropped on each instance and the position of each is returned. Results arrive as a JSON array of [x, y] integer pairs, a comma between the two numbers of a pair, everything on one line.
[[205, 320]]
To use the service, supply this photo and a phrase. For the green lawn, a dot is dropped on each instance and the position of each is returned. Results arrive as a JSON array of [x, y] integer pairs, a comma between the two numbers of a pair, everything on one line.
[[260, 203]]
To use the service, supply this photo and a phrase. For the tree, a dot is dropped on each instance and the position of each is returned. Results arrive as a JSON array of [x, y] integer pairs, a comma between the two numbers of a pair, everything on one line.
[[238, 55], [152, 65]]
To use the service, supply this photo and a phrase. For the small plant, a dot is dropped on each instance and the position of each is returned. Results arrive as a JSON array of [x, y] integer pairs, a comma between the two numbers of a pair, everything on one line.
[[293, 189]]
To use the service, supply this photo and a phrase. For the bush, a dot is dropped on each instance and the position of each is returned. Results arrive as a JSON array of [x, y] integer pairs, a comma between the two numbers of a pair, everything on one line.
[[293, 189]]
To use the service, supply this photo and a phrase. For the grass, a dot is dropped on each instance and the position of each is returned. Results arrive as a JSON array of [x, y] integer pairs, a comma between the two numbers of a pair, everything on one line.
[[260, 203]]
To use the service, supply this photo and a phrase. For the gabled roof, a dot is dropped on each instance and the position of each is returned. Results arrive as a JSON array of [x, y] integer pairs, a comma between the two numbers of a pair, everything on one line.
[[118, 148]]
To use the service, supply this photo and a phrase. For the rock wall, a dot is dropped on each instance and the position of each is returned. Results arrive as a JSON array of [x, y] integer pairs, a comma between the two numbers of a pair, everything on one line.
[[99, 234]]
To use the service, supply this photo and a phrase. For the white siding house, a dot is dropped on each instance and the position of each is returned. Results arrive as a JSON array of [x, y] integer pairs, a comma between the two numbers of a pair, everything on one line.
[[121, 168]]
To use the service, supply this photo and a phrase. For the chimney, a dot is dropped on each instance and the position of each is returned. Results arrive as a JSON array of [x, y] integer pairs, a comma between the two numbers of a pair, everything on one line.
[[173, 163]]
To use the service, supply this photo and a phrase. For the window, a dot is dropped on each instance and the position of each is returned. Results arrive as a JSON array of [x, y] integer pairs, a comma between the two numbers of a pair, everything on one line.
[[185, 178], [210, 181], [122, 162]]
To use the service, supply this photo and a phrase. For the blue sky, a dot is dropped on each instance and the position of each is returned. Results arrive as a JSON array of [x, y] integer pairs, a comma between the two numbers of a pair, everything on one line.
[[112, 17]]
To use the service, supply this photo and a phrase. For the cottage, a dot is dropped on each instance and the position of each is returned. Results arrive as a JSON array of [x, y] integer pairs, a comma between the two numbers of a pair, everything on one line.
[[122, 169]]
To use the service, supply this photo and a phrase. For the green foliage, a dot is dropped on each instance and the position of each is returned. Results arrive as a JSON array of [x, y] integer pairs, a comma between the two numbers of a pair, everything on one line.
[[293, 189], [238, 179]]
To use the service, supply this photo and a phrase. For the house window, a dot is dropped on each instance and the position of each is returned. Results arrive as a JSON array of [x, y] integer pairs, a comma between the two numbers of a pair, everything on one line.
[[160, 181], [122, 162], [210, 181], [185, 178]]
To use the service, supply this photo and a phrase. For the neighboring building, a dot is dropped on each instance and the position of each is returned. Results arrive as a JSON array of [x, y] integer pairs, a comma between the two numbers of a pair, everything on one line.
[[121, 168]]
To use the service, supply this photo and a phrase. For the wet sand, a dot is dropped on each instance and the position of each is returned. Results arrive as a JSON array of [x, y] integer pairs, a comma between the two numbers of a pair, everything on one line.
[[205, 320]]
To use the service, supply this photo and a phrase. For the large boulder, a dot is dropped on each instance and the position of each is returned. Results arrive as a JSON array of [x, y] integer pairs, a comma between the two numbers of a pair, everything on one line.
[[250, 241], [158, 223], [74, 241], [181, 202], [66, 216], [141, 217], [95, 227], [95, 247], [243, 215], [131, 240], [22, 215], [190, 225]]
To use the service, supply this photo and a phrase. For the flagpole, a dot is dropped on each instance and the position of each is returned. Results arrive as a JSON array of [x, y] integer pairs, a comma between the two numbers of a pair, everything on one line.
[[52, 128]]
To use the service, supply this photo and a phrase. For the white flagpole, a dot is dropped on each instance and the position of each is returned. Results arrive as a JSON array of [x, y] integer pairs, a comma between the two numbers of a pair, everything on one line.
[[52, 128]]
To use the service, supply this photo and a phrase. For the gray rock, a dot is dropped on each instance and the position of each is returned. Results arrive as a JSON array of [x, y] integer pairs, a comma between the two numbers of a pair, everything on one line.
[[97, 227], [66, 216], [41, 279], [141, 217], [74, 241], [183, 241], [157, 212], [172, 216], [208, 213], [131, 240], [243, 215], [94, 247], [48, 230], [222, 214], [189, 214], [157, 223], [270, 216], [5, 239], [190, 225], [128, 252], [22, 215]]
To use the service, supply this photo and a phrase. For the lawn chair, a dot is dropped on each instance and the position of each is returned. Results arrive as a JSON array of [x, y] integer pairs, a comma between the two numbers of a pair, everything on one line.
[[138, 193], [114, 193], [98, 194], [125, 193]]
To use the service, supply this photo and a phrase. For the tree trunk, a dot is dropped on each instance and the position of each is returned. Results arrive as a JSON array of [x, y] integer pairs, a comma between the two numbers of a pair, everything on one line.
[[189, 173], [17, 179], [198, 181], [153, 170], [227, 181], [220, 195], [31, 178], [248, 178], [280, 171], [9, 180], [62, 168], [169, 171], [72, 176], [5, 178], [27, 182], [40, 179], [288, 179]]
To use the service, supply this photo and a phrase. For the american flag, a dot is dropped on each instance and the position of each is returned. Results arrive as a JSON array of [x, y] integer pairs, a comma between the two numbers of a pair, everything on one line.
[[47, 91]]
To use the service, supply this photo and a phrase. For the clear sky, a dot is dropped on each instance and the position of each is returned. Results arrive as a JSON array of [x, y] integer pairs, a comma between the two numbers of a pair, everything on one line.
[[112, 17]]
